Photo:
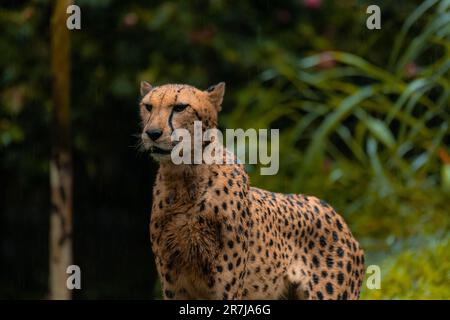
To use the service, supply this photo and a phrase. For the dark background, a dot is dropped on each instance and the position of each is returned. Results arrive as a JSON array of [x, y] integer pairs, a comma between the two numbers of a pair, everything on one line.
[[259, 48]]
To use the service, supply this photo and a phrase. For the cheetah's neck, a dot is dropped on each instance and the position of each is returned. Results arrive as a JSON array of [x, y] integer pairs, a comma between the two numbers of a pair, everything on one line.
[[183, 183]]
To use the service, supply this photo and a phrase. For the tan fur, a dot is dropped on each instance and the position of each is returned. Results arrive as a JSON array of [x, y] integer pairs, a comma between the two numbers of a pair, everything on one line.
[[215, 237]]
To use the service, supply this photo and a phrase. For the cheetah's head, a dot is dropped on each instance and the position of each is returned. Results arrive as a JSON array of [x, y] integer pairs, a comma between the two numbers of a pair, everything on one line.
[[169, 107]]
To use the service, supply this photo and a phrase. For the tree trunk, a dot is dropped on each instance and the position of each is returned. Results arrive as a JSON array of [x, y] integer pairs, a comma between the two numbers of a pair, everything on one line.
[[61, 158]]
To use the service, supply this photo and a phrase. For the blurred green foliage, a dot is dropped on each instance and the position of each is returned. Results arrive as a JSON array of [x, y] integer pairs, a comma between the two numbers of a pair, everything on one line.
[[415, 273], [363, 114]]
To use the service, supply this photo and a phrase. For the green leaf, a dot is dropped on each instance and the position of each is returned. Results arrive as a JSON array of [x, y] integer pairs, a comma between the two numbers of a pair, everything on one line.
[[333, 120], [381, 131]]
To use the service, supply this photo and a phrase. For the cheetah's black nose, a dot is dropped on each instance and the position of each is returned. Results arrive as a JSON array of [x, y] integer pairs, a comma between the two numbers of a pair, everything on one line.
[[154, 134]]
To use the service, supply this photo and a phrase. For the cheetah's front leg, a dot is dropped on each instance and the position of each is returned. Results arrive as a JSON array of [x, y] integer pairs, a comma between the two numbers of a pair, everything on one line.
[[171, 292], [230, 268], [229, 279], [170, 284]]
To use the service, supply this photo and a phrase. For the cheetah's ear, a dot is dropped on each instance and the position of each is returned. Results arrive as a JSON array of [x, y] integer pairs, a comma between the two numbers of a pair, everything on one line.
[[145, 88], [215, 94]]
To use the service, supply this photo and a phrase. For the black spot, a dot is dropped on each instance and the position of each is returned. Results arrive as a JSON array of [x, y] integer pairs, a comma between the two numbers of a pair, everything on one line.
[[311, 245], [340, 278], [219, 268], [335, 236], [322, 241], [315, 261], [315, 278], [230, 244], [344, 295], [224, 205], [318, 224], [323, 203], [216, 209], [169, 294], [339, 224], [349, 267], [329, 288], [230, 266], [329, 261], [227, 287], [340, 252], [319, 295]]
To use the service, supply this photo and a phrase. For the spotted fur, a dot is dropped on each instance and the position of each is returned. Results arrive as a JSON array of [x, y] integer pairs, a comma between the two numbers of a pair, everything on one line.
[[215, 237]]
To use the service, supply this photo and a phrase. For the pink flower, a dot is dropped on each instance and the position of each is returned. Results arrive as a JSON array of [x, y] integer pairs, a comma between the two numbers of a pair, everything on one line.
[[312, 4], [326, 61], [411, 69]]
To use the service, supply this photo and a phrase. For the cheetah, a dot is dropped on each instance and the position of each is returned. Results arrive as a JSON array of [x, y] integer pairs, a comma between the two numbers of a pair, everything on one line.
[[215, 237]]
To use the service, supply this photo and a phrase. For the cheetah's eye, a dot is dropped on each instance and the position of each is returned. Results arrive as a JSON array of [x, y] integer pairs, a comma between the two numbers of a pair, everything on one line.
[[180, 107], [148, 106]]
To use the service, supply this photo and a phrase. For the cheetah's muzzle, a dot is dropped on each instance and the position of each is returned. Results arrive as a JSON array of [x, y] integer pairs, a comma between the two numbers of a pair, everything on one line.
[[157, 150]]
